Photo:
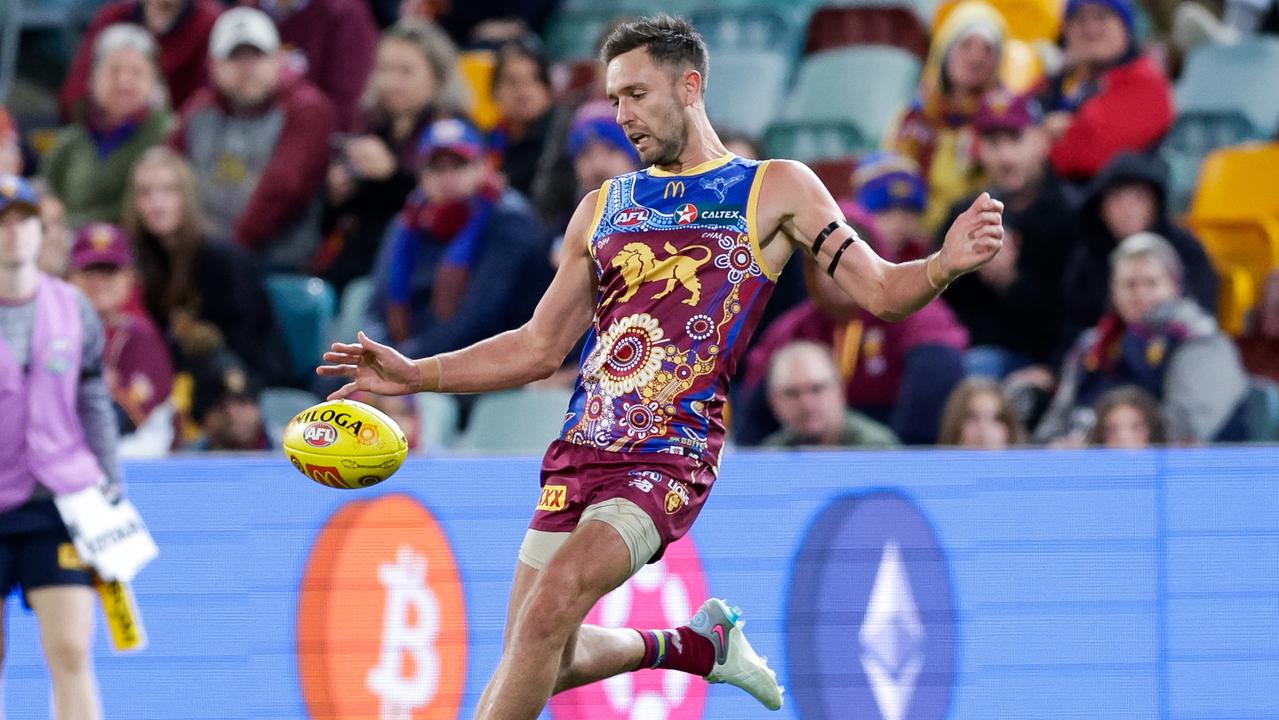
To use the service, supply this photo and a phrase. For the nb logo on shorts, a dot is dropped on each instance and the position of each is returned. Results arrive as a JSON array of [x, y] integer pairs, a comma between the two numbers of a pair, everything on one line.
[[553, 497]]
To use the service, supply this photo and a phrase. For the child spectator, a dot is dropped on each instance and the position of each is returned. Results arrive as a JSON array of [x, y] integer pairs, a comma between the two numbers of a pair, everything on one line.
[[978, 416], [1127, 418], [889, 187]]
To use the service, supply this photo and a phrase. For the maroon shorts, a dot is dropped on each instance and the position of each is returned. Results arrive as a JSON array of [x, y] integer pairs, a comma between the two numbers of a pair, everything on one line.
[[670, 489]]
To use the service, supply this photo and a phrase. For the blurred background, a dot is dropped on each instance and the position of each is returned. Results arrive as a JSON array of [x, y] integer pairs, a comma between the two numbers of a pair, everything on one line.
[[236, 187]]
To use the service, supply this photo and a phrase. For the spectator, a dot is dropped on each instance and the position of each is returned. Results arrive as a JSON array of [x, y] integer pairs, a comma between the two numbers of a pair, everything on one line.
[[1010, 305], [522, 91], [333, 44], [978, 416], [1129, 197], [740, 144], [1160, 342], [1109, 97], [1127, 418], [415, 81], [61, 439], [1260, 342], [138, 368], [225, 404], [180, 29], [55, 251], [936, 130], [890, 188], [805, 393], [898, 373], [258, 141], [600, 148], [91, 159], [206, 295], [467, 259]]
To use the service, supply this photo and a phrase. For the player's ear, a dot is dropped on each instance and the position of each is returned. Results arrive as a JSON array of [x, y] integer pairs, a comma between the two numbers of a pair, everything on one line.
[[691, 86]]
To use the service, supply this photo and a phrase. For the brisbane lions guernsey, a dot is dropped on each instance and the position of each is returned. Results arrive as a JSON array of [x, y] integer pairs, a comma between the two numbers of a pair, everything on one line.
[[682, 285]]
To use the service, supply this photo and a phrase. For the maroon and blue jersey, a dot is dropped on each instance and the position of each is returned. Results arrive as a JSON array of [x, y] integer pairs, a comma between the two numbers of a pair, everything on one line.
[[682, 285]]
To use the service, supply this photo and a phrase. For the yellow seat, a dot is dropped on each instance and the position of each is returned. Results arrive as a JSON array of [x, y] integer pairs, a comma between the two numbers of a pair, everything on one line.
[[476, 67], [1235, 213], [1028, 20]]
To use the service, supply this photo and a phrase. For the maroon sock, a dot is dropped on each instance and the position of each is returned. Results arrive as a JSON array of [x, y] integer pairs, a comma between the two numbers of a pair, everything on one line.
[[679, 649]]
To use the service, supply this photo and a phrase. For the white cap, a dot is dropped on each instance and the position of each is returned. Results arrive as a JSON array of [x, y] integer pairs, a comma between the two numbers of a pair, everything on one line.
[[243, 26]]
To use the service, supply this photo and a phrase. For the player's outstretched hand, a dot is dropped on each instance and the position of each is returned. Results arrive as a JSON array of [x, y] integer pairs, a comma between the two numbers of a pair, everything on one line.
[[974, 238], [373, 367]]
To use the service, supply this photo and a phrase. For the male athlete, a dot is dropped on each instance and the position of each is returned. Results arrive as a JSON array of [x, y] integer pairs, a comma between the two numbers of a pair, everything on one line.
[[668, 269]]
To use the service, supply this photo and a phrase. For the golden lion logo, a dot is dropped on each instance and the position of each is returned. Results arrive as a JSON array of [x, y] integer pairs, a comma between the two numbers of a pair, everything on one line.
[[639, 265]]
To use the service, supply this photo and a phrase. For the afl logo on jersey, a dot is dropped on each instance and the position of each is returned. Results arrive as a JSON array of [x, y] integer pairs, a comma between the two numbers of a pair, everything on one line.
[[630, 217], [686, 213]]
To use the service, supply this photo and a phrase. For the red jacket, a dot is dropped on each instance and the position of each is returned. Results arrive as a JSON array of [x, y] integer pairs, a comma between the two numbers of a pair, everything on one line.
[[1132, 110], [336, 46], [184, 51], [298, 160]]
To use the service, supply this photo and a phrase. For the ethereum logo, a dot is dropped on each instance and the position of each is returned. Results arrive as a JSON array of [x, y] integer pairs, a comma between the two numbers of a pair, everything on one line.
[[892, 637]]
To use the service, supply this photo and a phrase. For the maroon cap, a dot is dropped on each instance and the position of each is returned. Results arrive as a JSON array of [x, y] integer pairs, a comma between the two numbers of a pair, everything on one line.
[[1003, 110], [100, 244]]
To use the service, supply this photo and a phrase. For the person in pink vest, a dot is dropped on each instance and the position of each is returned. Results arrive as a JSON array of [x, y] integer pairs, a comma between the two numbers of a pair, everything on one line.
[[61, 439]]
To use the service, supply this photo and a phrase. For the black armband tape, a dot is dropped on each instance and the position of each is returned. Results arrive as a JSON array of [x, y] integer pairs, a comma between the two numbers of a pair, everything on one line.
[[834, 262], [821, 236]]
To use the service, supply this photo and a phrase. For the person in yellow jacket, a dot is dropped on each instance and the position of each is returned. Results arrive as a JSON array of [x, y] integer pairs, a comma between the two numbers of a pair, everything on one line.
[[936, 130]]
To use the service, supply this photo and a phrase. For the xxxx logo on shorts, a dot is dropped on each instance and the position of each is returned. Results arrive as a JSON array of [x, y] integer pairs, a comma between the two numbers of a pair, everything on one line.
[[554, 498], [382, 618], [662, 595]]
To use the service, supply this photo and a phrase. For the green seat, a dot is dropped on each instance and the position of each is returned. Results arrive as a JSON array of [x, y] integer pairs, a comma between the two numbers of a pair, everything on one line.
[[304, 306], [353, 310], [279, 406], [737, 30], [867, 85], [1193, 136], [437, 416], [518, 422], [1262, 409], [812, 141], [1241, 78], [572, 34], [746, 89]]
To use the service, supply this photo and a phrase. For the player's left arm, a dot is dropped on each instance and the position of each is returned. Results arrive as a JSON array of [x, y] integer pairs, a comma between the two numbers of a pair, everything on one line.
[[795, 206]]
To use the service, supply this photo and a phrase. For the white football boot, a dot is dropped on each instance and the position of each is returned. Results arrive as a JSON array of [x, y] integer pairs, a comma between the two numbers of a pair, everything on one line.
[[735, 660]]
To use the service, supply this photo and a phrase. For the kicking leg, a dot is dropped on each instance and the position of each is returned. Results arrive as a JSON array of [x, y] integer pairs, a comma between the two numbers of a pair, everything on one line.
[[66, 631], [592, 562]]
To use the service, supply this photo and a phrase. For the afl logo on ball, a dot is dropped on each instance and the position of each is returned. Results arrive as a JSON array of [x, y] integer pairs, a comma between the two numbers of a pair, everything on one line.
[[876, 558], [320, 434], [630, 217]]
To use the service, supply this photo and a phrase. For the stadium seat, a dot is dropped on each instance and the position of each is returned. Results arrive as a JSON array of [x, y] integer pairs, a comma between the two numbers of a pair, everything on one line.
[[741, 29], [1262, 409], [1195, 134], [10, 29], [746, 89], [1022, 67], [353, 311], [924, 9], [835, 27], [305, 307], [867, 85], [518, 422], [810, 141], [279, 405], [1239, 78], [1028, 20], [476, 69], [837, 175], [438, 414], [1235, 213], [573, 34]]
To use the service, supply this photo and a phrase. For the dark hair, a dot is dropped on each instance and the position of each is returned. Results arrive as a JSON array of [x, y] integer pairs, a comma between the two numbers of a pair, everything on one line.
[[956, 411], [669, 40], [526, 47], [1133, 397]]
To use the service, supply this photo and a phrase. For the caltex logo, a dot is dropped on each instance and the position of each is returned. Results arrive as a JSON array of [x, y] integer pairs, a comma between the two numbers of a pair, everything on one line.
[[686, 213]]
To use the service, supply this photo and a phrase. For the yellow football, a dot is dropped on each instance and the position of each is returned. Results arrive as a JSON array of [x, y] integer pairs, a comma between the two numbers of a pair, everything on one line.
[[345, 444]]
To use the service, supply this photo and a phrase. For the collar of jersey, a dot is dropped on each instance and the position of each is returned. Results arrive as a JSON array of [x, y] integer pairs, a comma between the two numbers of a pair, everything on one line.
[[696, 169]]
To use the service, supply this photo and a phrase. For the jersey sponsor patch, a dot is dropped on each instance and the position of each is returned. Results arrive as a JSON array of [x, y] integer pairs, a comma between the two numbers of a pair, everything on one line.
[[554, 498]]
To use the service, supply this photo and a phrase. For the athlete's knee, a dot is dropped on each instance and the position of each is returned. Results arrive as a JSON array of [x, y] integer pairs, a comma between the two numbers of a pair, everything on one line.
[[68, 654], [553, 611]]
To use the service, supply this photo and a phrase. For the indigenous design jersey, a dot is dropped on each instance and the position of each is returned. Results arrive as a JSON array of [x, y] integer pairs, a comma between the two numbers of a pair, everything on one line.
[[682, 286]]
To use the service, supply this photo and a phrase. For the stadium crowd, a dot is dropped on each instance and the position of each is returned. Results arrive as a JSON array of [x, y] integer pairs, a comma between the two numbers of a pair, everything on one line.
[[234, 186]]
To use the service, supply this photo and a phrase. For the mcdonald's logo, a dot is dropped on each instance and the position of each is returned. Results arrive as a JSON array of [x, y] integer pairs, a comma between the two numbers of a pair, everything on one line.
[[674, 189]]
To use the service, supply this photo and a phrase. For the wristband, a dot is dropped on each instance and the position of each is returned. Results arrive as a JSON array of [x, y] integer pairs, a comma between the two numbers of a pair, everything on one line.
[[429, 370], [928, 271]]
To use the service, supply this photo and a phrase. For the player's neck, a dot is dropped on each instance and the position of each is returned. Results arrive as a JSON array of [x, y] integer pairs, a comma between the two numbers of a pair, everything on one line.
[[18, 282], [702, 146]]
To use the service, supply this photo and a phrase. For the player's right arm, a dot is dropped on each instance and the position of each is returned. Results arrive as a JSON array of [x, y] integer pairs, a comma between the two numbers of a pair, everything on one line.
[[530, 352]]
